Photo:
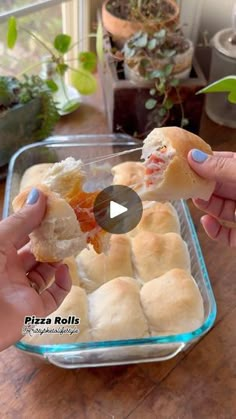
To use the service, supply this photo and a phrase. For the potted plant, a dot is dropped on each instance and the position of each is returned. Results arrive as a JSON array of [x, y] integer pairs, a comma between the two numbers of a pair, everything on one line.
[[160, 60], [30, 106], [122, 18], [27, 113], [146, 55]]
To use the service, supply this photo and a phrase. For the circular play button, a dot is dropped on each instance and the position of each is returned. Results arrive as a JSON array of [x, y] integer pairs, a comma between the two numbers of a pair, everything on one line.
[[118, 209]]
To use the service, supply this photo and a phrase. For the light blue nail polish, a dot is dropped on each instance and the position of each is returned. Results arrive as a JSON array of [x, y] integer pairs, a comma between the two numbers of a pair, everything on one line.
[[33, 196], [198, 156]]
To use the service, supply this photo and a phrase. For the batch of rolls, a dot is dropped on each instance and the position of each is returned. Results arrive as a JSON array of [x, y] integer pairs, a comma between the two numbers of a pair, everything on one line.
[[142, 287]]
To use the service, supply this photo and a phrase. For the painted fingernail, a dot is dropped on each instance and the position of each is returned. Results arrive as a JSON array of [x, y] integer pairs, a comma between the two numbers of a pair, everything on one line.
[[198, 156], [33, 196]]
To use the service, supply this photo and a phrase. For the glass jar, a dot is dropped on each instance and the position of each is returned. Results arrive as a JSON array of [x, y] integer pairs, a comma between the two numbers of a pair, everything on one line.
[[223, 63]]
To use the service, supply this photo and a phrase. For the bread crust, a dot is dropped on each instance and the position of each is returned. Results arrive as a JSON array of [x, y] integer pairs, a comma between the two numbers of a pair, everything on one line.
[[154, 254], [59, 234], [172, 303], [179, 180], [115, 311]]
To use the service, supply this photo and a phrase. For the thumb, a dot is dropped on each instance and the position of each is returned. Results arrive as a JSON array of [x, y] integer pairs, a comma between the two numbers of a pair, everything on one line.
[[19, 225], [219, 168]]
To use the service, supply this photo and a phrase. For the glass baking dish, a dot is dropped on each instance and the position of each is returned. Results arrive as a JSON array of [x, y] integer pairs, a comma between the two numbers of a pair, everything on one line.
[[91, 354]]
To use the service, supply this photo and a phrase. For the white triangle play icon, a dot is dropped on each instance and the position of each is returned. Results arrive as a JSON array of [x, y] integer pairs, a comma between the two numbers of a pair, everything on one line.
[[116, 209]]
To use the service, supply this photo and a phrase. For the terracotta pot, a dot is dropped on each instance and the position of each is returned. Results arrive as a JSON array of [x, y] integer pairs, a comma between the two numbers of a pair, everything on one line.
[[121, 29], [181, 70]]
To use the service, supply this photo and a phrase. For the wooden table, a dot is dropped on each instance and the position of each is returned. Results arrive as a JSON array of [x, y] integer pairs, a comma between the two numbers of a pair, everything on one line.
[[197, 384]]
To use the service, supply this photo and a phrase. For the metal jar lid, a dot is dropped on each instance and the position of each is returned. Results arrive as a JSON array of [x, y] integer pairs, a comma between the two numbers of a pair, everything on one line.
[[224, 41]]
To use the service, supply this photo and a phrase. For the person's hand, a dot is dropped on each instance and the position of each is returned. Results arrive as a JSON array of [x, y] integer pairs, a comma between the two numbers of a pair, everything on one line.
[[22, 279], [220, 167]]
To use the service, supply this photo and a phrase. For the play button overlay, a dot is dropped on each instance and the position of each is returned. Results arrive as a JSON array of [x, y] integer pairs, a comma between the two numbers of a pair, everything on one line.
[[118, 209]]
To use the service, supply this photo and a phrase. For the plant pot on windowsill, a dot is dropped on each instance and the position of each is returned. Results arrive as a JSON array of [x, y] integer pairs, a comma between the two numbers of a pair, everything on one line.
[[182, 65], [146, 55], [121, 25], [24, 123]]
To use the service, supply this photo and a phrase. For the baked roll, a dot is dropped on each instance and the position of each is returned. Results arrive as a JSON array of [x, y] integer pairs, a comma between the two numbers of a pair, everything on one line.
[[96, 269], [115, 311], [168, 176], [34, 175], [129, 173], [69, 223], [172, 303], [75, 304], [158, 217], [154, 254]]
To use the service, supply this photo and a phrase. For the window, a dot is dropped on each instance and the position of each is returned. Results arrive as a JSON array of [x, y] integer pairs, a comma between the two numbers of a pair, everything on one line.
[[44, 17]]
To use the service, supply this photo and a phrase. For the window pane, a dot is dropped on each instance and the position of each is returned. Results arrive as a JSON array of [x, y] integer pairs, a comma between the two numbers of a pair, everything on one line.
[[7, 5], [47, 24]]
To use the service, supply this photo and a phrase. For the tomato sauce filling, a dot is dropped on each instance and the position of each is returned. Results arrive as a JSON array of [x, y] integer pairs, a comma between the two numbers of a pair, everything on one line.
[[83, 204], [153, 165]]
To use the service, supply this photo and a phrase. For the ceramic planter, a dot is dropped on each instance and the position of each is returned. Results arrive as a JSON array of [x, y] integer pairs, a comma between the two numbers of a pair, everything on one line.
[[181, 70], [17, 128], [121, 29]]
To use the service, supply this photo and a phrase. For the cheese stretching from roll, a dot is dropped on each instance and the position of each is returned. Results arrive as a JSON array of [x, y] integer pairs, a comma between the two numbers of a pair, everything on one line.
[[69, 224], [168, 175]]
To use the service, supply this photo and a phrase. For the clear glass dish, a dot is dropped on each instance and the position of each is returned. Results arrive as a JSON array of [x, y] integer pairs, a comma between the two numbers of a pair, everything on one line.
[[90, 354]]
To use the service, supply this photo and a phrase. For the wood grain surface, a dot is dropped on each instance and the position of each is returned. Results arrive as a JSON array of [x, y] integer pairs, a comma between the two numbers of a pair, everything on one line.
[[197, 384]]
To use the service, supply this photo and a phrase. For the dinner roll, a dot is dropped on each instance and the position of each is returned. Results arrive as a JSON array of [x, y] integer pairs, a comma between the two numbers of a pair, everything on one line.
[[159, 218], [129, 173], [172, 303], [75, 304], [59, 235], [115, 311], [97, 269], [154, 254], [34, 175], [168, 175]]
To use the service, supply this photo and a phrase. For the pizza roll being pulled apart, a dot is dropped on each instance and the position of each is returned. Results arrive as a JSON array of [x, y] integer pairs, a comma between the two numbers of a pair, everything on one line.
[[168, 175], [69, 224]]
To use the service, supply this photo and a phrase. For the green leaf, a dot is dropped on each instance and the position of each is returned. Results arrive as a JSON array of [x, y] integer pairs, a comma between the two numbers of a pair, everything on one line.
[[168, 53], [11, 32], [141, 42], [52, 85], [168, 104], [232, 97], [152, 44], [160, 34], [71, 106], [84, 81], [174, 82], [152, 92], [162, 112], [150, 104], [62, 43], [88, 61], [156, 74], [168, 69], [226, 84], [99, 42]]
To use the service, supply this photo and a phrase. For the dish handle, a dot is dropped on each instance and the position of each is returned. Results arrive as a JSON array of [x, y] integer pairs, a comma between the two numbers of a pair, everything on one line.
[[114, 356]]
